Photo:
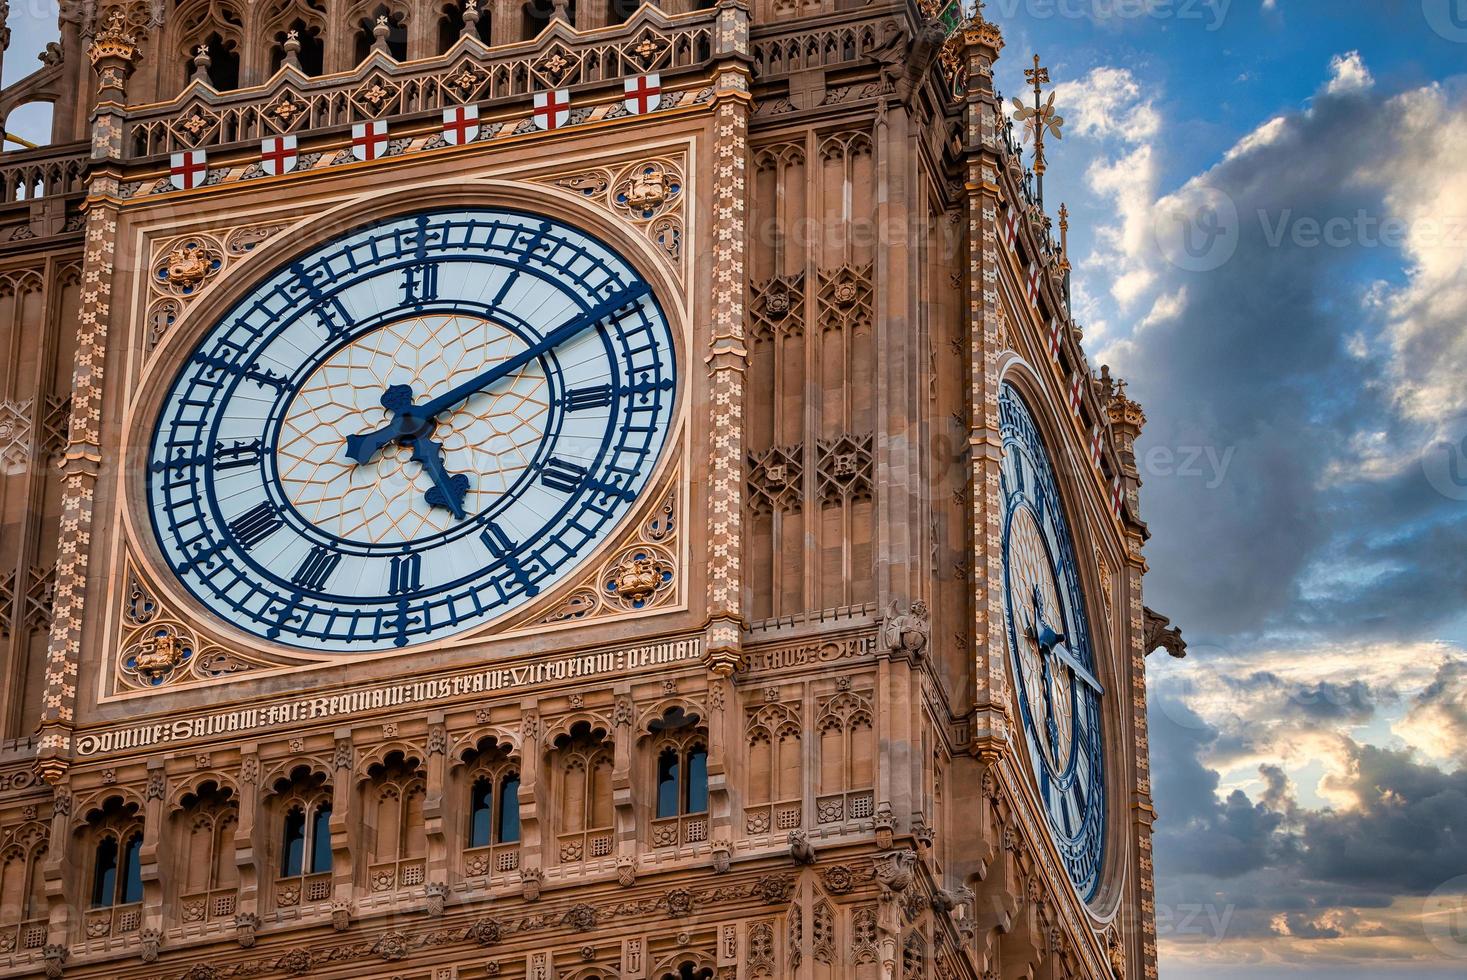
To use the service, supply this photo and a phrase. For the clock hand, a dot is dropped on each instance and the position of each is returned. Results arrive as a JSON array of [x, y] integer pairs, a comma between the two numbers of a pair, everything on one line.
[[1052, 641], [406, 416], [448, 491]]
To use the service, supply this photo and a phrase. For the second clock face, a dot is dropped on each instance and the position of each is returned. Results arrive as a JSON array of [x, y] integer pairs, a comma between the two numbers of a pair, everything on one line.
[[412, 430], [1049, 641]]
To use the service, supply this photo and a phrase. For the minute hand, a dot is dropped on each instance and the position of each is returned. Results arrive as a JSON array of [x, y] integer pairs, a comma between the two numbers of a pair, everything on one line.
[[407, 417], [567, 331]]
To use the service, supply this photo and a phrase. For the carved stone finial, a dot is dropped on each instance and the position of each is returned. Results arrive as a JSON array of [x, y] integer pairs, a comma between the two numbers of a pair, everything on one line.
[[380, 30], [202, 62], [472, 14], [292, 48], [113, 54]]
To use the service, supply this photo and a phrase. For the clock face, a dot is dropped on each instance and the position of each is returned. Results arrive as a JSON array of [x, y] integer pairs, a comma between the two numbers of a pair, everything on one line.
[[1058, 691], [412, 430]]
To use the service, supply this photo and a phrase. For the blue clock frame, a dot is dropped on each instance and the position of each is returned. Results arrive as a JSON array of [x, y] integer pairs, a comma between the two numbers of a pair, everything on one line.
[[576, 318], [1058, 691]]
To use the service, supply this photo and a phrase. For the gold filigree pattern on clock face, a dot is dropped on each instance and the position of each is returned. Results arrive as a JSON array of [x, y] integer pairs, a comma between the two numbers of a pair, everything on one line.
[[491, 438], [1029, 566]]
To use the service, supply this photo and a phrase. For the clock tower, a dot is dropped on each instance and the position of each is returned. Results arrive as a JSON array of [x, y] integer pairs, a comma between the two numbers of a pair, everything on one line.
[[558, 491]]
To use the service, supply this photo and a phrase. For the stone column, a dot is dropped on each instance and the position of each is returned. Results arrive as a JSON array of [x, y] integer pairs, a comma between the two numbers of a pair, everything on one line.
[[113, 54], [992, 736], [727, 356]]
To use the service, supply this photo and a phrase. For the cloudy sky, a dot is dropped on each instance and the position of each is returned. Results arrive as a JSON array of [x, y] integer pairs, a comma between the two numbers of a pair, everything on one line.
[[1269, 204], [1270, 237]]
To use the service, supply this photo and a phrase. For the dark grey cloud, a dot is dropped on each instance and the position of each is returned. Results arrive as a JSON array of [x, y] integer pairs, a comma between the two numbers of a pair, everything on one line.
[[1259, 362]]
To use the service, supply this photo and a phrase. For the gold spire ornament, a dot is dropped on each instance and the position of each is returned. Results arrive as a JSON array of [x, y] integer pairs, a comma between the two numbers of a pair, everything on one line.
[[1038, 119]]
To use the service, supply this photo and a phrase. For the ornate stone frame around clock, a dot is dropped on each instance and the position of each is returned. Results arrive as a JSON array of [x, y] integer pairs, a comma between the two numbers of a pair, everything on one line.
[[651, 532], [1085, 514]]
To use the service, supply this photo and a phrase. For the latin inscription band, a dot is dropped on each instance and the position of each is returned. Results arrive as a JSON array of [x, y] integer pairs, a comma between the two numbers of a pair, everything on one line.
[[307, 709]]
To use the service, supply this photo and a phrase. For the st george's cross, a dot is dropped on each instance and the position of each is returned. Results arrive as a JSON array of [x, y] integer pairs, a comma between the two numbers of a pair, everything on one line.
[[1117, 497], [188, 169], [1031, 285], [1054, 338], [1075, 392], [643, 93], [1097, 445], [552, 109], [369, 139], [278, 155], [1009, 228], [460, 124]]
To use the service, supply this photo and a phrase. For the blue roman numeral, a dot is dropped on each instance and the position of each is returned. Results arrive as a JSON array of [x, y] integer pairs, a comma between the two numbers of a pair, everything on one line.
[[237, 455], [255, 525], [420, 283], [597, 396], [564, 476], [317, 568], [407, 574]]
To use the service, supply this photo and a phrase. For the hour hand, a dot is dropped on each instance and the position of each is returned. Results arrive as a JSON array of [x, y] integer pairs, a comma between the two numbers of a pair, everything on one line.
[[398, 399], [448, 491]]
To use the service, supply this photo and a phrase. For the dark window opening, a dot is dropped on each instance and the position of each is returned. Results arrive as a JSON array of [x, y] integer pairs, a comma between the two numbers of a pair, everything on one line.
[[321, 840], [293, 844], [104, 874], [509, 811]]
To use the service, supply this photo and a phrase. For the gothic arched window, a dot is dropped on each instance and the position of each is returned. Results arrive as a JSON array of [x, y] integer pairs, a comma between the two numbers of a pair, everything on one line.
[[492, 777], [774, 777], [114, 875], [206, 877], [397, 842], [680, 780], [23, 908], [302, 803], [582, 773], [847, 767]]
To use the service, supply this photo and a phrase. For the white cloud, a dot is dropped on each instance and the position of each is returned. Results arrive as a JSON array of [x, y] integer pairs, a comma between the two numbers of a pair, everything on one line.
[[1348, 74], [1107, 104], [1265, 135]]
